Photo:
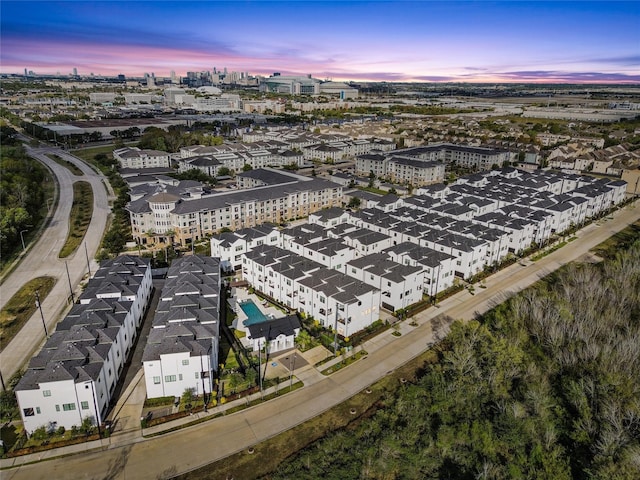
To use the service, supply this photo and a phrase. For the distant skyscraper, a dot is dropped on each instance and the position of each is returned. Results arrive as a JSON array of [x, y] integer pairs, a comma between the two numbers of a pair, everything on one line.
[[25, 71], [75, 72]]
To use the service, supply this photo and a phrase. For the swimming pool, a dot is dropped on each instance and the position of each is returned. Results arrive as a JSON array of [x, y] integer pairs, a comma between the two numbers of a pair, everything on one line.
[[253, 313]]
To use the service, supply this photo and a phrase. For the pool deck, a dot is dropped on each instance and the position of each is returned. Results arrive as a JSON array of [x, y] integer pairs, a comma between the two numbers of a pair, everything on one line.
[[268, 311]]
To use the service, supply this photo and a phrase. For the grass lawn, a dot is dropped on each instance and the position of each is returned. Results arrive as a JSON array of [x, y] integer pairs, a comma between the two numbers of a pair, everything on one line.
[[89, 154], [67, 164], [620, 240], [80, 217], [21, 307]]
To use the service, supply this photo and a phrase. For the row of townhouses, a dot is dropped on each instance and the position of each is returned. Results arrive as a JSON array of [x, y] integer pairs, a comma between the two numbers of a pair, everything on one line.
[[323, 146], [236, 161], [182, 348], [417, 245], [74, 375], [185, 213], [425, 165], [331, 297]]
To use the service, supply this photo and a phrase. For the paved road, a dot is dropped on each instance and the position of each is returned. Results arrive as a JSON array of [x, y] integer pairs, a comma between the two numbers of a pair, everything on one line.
[[42, 258], [177, 452]]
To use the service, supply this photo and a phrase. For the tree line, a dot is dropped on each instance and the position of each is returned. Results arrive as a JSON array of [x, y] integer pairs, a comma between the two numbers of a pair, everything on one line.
[[21, 193], [545, 386]]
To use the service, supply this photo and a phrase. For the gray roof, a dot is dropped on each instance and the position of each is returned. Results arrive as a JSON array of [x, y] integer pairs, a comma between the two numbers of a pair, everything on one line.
[[272, 328]]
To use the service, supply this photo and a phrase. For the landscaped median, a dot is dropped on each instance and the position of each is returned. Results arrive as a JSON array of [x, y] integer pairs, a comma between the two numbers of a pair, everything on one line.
[[79, 218], [73, 168], [19, 309]]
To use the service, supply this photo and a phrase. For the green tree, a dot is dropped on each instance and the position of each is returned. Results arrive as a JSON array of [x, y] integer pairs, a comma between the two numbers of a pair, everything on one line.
[[354, 202]]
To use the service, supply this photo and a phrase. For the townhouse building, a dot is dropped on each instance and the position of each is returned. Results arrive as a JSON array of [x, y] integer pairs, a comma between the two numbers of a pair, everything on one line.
[[182, 347], [74, 375], [236, 161], [400, 285], [275, 334], [329, 217], [331, 297], [229, 246], [438, 269]]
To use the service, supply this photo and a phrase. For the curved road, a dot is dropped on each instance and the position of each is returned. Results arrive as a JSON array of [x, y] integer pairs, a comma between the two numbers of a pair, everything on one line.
[[42, 258], [129, 455]]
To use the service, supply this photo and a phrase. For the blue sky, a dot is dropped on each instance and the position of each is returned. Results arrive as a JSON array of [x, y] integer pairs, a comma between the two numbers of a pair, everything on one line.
[[479, 41]]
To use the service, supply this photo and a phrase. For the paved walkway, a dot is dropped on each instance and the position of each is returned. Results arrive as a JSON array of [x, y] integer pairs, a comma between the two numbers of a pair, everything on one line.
[[129, 454]]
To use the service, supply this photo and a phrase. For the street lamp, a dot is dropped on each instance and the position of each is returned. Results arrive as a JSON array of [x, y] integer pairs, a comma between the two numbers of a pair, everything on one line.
[[22, 239]]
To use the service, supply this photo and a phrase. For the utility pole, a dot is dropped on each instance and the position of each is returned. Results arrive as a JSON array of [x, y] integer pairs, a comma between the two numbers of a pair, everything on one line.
[[39, 305], [73, 299], [260, 368], [86, 253], [335, 334]]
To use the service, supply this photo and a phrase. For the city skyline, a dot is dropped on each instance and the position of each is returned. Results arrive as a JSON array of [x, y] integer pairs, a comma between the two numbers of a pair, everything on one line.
[[550, 42]]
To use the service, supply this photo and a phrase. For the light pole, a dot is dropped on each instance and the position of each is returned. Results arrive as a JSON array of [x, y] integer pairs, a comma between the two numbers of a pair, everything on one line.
[[22, 239], [95, 406]]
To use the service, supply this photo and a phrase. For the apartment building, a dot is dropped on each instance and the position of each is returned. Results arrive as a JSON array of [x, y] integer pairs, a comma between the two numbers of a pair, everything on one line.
[[133, 157], [187, 218], [182, 348], [413, 171], [477, 158], [74, 375]]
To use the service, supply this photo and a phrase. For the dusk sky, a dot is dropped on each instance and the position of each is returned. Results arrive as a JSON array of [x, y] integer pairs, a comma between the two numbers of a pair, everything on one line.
[[481, 41]]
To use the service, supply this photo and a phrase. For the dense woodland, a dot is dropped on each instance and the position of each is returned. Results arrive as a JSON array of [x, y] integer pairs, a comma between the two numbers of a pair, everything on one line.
[[21, 193], [545, 386]]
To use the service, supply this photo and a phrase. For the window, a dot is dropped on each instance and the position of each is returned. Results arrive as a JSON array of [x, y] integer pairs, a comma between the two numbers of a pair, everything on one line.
[[84, 405], [169, 378], [156, 380], [197, 375], [28, 412], [38, 410], [57, 408], [67, 407], [185, 362], [46, 393], [180, 376]]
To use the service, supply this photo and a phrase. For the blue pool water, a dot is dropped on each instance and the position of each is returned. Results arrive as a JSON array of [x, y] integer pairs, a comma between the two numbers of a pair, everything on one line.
[[253, 313]]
